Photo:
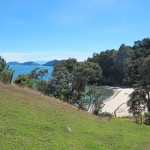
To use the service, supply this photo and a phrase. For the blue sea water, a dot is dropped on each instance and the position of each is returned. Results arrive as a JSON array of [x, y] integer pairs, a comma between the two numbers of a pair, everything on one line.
[[25, 69]]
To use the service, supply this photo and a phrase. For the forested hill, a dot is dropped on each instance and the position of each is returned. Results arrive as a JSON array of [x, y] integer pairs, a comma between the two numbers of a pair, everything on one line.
[[52, 63], [122, 66], [31, 63], [14, 63]]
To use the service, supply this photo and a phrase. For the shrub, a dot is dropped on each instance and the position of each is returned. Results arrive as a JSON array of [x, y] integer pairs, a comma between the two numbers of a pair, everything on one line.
[[42, 86], [147, 118], [138, 118], [6, 76], [106, 114], [45, 87], [5, 73], [24, 81]]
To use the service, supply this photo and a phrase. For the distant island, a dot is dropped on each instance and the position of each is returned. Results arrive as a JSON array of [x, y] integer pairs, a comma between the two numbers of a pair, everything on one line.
[[14, 63], [52, 63], [30, 63]]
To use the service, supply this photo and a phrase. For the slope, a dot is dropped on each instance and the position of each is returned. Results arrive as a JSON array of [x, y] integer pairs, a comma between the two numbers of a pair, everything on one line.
[[30, 120]]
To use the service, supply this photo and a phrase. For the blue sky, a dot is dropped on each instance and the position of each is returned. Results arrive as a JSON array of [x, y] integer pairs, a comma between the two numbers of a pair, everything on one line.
[[58, 29]]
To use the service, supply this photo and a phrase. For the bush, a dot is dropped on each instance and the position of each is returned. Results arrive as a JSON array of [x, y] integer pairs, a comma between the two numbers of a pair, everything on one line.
[[6, 76], [5, 73], [45, 87], [98, 107], [3, 65], [106, 114], [42, 86], [138, 118], [147, 118], [24, 81]]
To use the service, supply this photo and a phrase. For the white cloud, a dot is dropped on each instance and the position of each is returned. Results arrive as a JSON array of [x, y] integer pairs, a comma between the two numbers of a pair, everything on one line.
[[16, 54], [45, 56]]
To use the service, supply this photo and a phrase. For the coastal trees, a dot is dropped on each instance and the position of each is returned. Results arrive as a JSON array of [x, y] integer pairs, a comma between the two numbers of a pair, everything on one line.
[[119, 65], [5, 73], [45, 87], [3, 64], [129, 66], [37, 74], [84, 72], [140, 98], [70, 78], [106, 61], [92, 96], [144, 43], [122, 59], [62, 79], [34, 74], [33, 80]]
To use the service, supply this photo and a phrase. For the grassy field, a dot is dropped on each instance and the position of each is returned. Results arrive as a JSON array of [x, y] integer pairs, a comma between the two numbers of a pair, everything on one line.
[[32, 121]]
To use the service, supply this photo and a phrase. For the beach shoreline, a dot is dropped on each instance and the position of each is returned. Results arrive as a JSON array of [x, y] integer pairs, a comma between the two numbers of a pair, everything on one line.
[[120, 97]]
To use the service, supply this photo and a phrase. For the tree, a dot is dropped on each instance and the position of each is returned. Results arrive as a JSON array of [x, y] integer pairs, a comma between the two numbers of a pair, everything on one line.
[[6, 74], [3, 65], [106, 61], [98, 107], [42, 86], [140, 98], [131, 72], [144, 83], [62, 79], [93, 100], [121, 60], [144, 43], [42, 73], [38, 74], [137, 101], [83, 73], [70, 78], [34, 74], [45, 87], [92, 96], [34, 77]]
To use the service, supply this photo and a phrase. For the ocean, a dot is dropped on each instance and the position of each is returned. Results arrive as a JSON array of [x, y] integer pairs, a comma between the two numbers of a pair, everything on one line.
[[25, 69], [106, 91]]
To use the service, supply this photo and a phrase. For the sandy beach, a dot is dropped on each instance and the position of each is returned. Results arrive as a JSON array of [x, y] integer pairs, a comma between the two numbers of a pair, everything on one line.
[[121, 96]]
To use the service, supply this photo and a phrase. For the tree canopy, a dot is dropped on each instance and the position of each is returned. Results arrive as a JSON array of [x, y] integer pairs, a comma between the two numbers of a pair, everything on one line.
[[5, 73], [119, 66], [140, 98], [70, 78]]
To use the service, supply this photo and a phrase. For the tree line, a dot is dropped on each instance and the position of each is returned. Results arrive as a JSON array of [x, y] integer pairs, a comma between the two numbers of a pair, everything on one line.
[[121, 67]]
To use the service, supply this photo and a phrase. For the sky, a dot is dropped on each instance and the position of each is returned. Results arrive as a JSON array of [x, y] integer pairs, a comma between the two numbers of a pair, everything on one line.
[[43, 30]]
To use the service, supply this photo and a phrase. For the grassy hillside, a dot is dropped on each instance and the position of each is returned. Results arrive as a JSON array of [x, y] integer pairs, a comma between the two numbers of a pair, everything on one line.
[[32, 121]]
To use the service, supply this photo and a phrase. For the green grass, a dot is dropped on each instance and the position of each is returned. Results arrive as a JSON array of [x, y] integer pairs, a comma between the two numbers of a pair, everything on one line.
[[32, 121]]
